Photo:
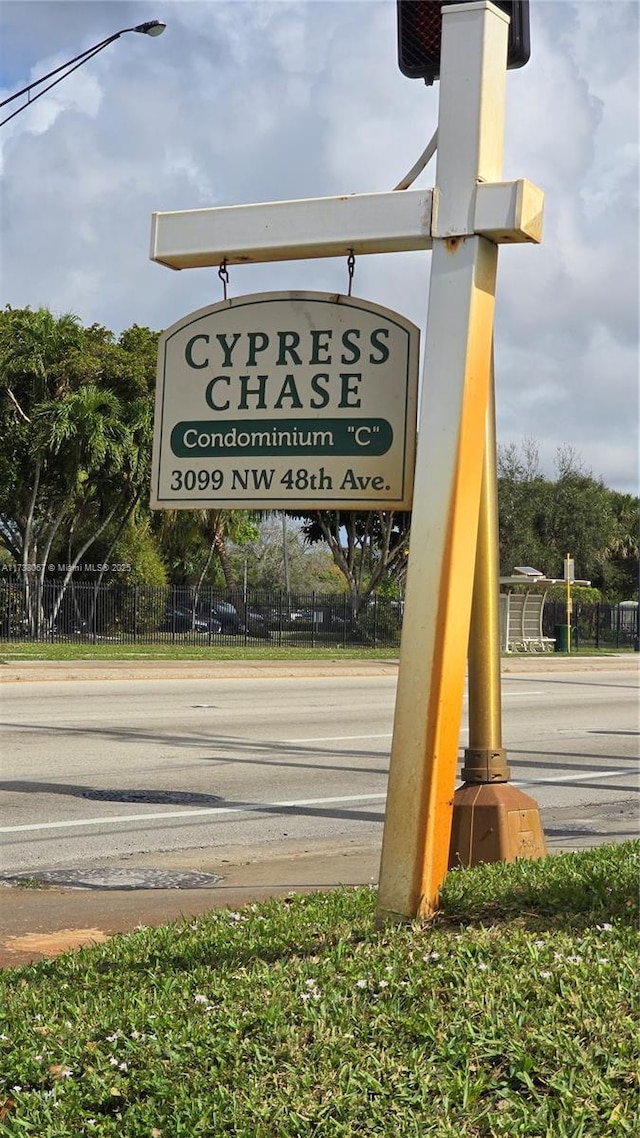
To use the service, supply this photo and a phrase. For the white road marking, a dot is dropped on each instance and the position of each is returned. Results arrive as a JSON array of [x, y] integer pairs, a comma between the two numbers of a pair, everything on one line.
[[334, 738], [206, 811], [257, 807], [570, 778]]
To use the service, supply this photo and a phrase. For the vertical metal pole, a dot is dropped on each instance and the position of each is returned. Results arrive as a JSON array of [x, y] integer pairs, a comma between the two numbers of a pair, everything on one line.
[[485, 757], [449, 466], [285, 559], [492, 821], [569, 606]]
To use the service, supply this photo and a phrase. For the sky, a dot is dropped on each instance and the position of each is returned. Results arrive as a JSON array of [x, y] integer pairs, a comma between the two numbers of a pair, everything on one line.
[[254, 101]]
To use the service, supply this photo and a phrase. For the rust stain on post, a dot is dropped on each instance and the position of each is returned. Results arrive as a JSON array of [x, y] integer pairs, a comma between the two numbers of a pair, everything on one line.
[[425, 744], [455, 601]]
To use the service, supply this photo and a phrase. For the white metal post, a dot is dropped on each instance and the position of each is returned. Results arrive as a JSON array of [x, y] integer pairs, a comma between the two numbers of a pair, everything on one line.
[[449, 466]]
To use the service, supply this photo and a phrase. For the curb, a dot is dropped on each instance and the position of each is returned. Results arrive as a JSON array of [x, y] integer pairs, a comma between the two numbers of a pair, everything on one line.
[[21, 671], [25, 671]]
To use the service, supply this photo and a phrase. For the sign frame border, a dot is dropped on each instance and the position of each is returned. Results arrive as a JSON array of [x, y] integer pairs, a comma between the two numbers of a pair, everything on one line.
[[366, 502]]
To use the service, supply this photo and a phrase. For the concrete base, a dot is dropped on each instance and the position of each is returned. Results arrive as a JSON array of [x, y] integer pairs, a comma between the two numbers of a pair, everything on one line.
[[494, 822]]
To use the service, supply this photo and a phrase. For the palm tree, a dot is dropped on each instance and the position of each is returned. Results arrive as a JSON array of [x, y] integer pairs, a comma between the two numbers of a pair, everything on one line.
[[76, 418], [35, 347], [191, 539], [100, 450]]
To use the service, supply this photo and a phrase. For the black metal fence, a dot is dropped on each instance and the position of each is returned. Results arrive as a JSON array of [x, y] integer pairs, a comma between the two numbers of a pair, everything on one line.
[[146, 614], [595, 625]]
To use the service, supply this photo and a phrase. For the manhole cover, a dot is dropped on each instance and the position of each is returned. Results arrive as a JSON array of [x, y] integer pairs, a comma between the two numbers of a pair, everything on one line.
[[116, 879], [157, 797]]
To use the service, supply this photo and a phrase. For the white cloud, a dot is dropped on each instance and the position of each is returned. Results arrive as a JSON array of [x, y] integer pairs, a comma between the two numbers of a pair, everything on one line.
[[256, 101]]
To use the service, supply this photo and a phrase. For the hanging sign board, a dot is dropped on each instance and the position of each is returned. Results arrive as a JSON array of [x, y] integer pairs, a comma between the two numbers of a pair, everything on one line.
[[286, 400]]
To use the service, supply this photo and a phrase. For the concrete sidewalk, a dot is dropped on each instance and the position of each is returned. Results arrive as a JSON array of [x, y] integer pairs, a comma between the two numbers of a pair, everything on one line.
[[25, 671], [36, 923]]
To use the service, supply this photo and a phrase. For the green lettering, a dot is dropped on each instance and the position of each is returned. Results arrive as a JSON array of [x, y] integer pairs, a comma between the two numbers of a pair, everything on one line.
[[288, 343], [323, 395], [382, 348], [227, 349], [209, 393], [349, 389], [188, 352], [288, 391], [317, 346], [246, 391], [353, 348], [258, 342]]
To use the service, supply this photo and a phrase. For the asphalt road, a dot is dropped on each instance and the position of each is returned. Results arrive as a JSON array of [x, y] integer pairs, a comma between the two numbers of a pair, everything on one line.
[[120, 772]]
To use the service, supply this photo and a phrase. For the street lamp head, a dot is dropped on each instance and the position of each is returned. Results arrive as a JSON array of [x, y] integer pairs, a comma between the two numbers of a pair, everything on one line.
[[151, 28]]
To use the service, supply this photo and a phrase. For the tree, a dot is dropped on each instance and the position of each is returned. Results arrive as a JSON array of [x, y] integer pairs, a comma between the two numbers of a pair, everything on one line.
[[194, 546], [541, 520], [35, 348], [308, 569], [580, 522], [77, 453], [193, 543], [621, 566], [368, 547], [522, 500]]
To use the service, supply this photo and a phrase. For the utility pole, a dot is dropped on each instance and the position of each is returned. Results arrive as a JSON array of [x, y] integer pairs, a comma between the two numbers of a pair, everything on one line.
[[449, 466]]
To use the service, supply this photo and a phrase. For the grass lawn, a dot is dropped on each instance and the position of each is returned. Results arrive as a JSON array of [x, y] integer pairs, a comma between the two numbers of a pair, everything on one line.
[[256, 650], [512, 1013]]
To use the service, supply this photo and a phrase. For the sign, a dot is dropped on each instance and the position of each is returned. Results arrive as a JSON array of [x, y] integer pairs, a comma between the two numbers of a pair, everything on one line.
[[569, 569], [286, 400]]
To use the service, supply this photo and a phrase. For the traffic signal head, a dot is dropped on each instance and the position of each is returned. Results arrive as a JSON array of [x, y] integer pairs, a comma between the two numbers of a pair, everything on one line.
[[420, 31]]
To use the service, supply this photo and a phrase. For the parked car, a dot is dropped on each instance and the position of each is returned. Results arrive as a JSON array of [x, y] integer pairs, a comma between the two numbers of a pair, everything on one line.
[[257, 625], [233, 625], [183, 620], [227, 614]]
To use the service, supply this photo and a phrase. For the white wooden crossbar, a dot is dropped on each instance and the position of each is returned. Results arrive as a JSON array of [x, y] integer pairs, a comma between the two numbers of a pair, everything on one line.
[[394, 221]]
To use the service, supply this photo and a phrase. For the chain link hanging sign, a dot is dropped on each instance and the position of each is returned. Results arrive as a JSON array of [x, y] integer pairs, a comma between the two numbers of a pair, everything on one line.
[[286, 400]]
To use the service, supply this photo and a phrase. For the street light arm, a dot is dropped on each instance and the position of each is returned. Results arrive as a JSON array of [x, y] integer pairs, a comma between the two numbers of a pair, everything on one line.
[[149, 28], [56, 81], [83, 57]]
